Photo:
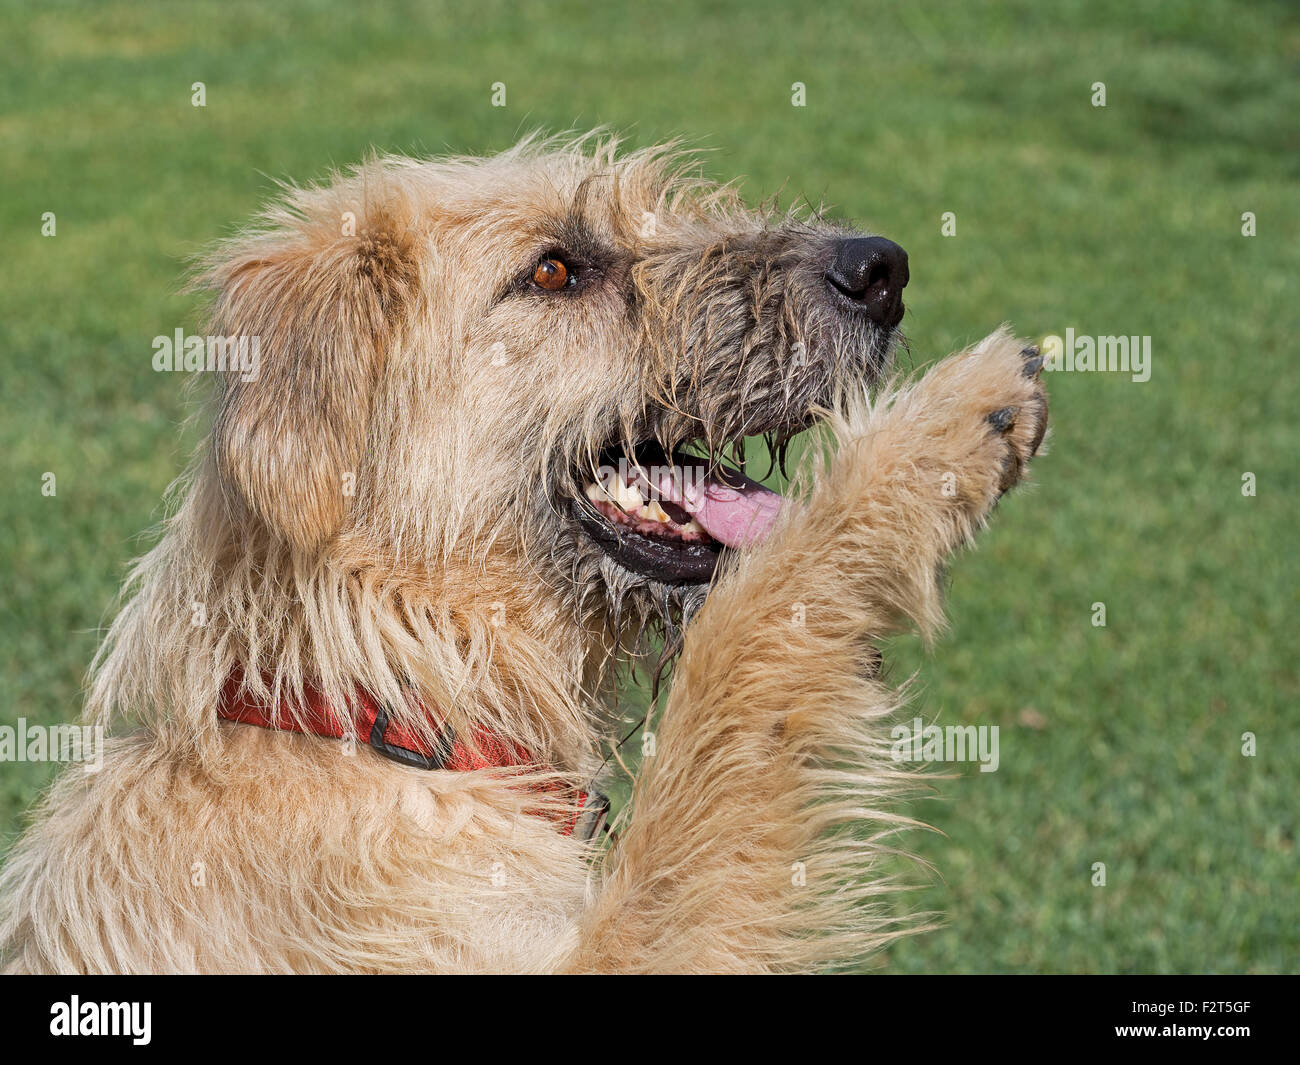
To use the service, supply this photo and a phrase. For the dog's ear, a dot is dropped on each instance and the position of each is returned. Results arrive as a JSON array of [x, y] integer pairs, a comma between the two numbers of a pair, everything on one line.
[[319, 296]]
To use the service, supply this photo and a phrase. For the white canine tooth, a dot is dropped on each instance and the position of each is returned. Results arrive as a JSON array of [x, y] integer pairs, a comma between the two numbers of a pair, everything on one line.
[[654, 512], [625, 495]]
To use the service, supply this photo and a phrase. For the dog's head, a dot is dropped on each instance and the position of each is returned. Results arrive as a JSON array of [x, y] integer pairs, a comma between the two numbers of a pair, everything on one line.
[[541, 356]]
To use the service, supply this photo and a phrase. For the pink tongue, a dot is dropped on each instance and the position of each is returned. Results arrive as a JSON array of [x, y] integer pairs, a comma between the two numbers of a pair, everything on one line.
[[736, 512]]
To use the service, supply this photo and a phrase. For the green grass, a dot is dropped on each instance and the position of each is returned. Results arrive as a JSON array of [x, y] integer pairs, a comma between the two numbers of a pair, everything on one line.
[[1122, 220]]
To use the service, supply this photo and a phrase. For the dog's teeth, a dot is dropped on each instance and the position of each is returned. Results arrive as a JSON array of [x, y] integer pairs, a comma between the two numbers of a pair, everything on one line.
[[617, 491], [652, 511], [626, 496]]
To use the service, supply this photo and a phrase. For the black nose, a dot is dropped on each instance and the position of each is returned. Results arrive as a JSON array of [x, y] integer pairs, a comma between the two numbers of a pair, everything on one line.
[[872, 272]]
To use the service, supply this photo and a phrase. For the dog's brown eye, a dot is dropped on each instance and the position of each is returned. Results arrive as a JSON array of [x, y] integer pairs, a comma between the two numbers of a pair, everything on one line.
[[551, 274]]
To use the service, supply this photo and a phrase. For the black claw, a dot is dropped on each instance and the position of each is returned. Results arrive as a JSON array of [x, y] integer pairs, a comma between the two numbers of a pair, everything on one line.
[[1010, 473], [1042, 427], [1032, 366], [1003, 419]]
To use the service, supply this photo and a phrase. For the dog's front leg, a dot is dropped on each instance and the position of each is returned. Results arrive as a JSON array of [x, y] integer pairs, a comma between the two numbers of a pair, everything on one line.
[[757, 822]]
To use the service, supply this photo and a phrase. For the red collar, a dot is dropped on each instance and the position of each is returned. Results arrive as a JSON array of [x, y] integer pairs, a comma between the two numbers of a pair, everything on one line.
[[371, 724]]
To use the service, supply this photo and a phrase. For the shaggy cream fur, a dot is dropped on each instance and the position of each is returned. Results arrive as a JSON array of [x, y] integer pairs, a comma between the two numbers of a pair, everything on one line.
[[384, 507]]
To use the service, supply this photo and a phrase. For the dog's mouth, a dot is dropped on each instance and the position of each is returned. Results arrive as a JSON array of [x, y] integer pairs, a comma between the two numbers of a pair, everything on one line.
[[671, 516]]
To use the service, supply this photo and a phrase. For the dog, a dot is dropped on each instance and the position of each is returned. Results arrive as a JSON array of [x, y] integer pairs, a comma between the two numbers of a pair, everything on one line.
[[361, 687]]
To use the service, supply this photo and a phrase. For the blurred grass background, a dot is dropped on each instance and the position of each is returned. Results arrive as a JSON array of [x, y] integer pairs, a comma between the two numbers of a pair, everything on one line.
[[1119, 744]]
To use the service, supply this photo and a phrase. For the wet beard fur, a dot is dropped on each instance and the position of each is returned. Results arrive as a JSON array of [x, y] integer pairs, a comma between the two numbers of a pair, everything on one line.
[[643, 619]]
